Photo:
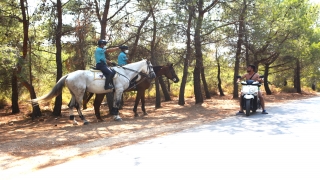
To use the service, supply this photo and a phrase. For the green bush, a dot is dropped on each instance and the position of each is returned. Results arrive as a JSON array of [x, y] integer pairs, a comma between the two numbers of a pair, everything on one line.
[[3, 103]]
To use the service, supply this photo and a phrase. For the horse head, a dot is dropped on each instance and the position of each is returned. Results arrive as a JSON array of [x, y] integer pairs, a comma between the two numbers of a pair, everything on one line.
[[170, 73], [149, 70]]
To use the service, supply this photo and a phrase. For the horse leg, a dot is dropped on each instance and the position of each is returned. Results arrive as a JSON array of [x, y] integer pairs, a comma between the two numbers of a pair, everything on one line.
[[121, 103], [97, 102], [76, 101], [85, 122], [136, 103], [143, 103], [116, 104], [71, 116], [86, 100]]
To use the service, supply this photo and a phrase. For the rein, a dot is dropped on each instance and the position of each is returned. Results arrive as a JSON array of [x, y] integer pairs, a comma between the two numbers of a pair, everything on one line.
[[138, 73], [140, 81]]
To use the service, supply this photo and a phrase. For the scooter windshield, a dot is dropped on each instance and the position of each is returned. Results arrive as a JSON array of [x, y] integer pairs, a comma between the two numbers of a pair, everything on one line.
[[250, 81]]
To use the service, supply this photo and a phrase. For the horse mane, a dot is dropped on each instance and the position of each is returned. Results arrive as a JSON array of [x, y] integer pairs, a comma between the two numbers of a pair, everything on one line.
[[156, 69]]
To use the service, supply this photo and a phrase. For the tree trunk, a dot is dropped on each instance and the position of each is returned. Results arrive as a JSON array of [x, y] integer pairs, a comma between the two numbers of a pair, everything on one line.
[[297, 76], [238, 52], [205, 85], [219, 78], [199, 59], [153, 57], [313, 86], [14, 98], [14, 80], [109, 97], [181, 100], [103, 20], [265, 81], [186, 59], [197, 87], [168, 85], [247, 42], [58, 100], [36, 112], [133, 50], [164, 90], [17, 74], [295, 83], [158, 97]]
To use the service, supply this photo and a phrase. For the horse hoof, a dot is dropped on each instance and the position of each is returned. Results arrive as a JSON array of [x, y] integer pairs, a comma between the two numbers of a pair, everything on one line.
[[145, 113], [118, 119], [100, 120], [85, 123], [136, 115]]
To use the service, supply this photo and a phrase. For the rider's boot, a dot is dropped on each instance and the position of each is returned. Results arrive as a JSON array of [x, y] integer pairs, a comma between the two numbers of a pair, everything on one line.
[[108, 84]]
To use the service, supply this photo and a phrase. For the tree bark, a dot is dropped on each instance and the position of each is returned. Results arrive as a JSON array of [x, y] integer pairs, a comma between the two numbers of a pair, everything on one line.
[[218, 76], [58, 100], [297, 76], [186, 58], [168, 85], [158, 96], [109, 97], [197, 86], [14, 97], [153, 57], [18, 71], [205, 85], [133, 50], [103, 20], [265, 81], [247, 42], [199, 58], [164, 90], [238, 52]]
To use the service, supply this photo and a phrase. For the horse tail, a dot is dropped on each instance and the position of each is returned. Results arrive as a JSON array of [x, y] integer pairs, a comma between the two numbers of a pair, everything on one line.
[[56, 90]]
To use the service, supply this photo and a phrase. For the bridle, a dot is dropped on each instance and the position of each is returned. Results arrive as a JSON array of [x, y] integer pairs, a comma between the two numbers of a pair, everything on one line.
[[174, 76], [145, 75]]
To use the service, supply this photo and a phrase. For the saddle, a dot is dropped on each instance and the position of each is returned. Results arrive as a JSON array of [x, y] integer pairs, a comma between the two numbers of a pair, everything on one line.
[[98, 75]]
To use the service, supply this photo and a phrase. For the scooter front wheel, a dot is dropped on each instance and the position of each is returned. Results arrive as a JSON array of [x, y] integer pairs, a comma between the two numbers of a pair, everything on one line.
[[248, 107]]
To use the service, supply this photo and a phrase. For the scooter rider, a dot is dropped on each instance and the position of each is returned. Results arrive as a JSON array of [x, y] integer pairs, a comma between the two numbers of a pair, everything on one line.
[[251, 74]]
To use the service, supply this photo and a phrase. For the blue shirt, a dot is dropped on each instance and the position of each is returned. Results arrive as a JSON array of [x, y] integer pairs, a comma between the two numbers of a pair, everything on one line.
[[122, 59], [99, 55]]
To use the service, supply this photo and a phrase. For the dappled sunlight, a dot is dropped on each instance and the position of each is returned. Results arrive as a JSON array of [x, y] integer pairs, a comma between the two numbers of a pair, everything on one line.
[[51, 140]]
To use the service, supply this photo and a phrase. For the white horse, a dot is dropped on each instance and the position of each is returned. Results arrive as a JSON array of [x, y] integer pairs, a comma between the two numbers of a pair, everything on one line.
[[80, 81]]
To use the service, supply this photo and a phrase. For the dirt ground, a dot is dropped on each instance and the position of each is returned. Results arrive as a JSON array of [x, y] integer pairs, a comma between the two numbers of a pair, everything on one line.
[[23, 138]]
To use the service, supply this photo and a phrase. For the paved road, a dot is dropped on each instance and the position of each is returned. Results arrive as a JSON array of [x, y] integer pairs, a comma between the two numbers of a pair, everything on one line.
[[281, 145]]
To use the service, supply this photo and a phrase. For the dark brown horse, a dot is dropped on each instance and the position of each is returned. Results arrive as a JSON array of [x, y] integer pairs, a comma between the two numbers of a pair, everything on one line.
[[140, 87]]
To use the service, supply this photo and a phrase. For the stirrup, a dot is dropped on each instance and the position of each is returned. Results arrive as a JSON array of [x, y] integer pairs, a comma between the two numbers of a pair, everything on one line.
[[109, 86]]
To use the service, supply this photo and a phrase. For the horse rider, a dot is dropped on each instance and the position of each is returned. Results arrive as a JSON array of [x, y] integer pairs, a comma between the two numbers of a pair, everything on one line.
[[102, 63], [122, 58]]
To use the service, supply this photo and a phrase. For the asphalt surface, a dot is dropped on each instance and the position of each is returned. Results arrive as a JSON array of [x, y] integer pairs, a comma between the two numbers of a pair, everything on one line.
[[283, 144]]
